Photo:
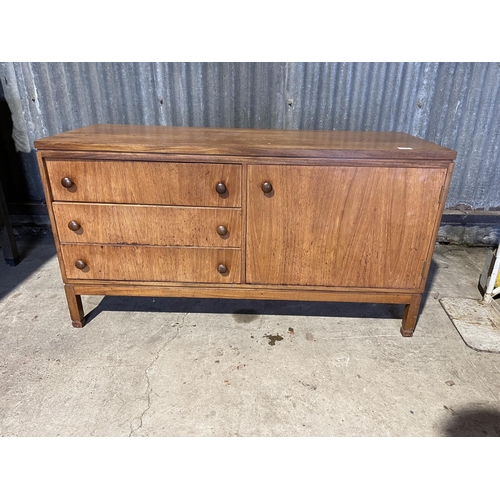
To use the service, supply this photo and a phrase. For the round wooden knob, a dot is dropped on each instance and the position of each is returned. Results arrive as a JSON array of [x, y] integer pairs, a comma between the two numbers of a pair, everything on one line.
[[80, 264], [222, 230], [222, 269], [66, 182], [267, 187], [73, 225], [221, 188]]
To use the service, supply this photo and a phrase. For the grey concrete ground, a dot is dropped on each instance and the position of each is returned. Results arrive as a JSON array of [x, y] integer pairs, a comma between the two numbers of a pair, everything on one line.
[[162, 367]]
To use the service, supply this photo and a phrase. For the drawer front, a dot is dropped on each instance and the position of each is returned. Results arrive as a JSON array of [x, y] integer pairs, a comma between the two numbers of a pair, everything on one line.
[[147, 225], [150, 183], [148, 263]]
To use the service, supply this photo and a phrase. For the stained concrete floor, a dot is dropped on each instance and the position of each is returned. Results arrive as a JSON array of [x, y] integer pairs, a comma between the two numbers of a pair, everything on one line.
[[186, 367]]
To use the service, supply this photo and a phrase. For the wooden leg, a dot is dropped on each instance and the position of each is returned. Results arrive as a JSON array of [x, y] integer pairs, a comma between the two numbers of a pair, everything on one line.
[[410, 316], [75, 306]]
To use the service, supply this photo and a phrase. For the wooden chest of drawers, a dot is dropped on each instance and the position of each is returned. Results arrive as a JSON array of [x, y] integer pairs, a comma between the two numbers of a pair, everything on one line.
[[244, 214]]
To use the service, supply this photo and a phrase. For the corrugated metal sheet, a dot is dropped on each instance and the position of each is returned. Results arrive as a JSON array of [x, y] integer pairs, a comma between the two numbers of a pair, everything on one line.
[[456, 105]]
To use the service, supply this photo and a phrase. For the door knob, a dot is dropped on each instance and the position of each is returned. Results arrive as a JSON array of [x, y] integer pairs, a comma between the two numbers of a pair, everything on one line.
[[221, 188], [73, 225], [66, 182], [267, 187]]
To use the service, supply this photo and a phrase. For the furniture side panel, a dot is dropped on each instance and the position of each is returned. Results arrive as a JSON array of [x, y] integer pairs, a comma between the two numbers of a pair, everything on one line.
[[47, 189]]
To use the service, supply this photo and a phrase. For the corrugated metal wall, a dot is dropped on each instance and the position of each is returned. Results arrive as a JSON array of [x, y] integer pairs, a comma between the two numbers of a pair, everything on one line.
[[456, 105]]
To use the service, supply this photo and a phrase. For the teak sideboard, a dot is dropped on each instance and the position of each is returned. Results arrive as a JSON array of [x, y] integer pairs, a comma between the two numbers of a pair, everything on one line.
[[244, 213]]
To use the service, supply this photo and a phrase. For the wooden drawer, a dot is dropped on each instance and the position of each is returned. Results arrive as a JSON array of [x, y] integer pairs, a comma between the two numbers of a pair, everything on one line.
[[149, 263], [147, 225], [151, 183]]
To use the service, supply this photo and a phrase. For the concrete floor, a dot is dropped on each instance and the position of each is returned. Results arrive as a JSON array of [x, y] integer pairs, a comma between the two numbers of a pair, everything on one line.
[[185, 367]]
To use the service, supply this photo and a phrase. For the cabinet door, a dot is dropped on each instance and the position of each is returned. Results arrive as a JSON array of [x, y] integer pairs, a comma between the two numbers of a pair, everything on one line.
[[341, 226]]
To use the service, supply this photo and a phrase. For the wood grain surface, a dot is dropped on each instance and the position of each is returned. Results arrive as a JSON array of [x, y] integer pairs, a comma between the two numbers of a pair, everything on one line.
[[239, 292], [130, 262], [246, 142], [148, 225], [153, 183], [360, 227], [75, 306]]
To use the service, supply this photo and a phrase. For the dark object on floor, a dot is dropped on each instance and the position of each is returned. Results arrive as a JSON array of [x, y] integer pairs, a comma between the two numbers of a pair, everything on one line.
[[7, 240], [472, 422]]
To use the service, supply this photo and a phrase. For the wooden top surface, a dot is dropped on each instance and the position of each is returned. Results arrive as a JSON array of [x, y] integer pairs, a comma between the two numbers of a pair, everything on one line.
[[245, 142]]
